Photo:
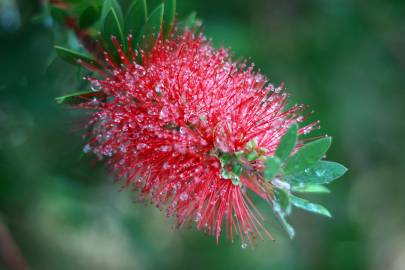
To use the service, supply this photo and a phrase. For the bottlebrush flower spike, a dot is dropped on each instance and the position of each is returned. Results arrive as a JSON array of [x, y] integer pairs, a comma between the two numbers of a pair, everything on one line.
[[198, 134]]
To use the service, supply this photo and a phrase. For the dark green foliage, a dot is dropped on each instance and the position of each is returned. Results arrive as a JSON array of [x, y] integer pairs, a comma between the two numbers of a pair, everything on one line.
[[89, 16], [169, 15], [136, 18], [152, 26], [112, 27]]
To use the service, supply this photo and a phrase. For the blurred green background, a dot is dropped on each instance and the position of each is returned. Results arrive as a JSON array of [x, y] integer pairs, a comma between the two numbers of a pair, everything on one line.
[[346, 59]]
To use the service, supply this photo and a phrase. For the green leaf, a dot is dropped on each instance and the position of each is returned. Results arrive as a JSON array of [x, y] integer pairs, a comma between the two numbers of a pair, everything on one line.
[[72, 56], [271, 168], [136, 18], [288, 142], [308, 155], [308, 206], [89, 16], [237, 169], [323, 172], [283, 200], [153, 24], [112, 27], [169, 15], [79, 97], [289, 229], [114, 5], [252, 155], [309, 188]]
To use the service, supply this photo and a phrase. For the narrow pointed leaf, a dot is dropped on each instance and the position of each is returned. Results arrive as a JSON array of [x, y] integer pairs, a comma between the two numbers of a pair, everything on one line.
[[79, 97], [114, 5], [283, 200], [72, 56], [112, 27], [169, 15], [307, 156], [310, 188], [287, 227], [308, 206], [288, 142], [271, 168], [323, 172], [136, 17], [153, 24]]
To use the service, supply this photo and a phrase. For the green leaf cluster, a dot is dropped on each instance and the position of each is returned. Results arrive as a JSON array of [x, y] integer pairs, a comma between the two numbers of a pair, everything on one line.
[[108, 18], [299, 169]]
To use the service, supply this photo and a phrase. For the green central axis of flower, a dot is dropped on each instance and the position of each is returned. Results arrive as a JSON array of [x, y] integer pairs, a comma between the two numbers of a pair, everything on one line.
[[234, 165]]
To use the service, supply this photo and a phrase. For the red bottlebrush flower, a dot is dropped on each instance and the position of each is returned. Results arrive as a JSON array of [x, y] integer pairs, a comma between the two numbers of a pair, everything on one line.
[[189, 128]]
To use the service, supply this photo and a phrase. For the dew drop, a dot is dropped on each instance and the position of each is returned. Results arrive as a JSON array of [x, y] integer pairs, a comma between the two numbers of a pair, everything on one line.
[[123, 148], [94, 102], [95, 86], [86, 148], [203, 142], [320, 173], [300, 118], [198, 217], [158, 89], [165, 148], [166, 166], [307, 130], [183, 196], [163, 114], [243, 246], [182, 131], [141, 146]]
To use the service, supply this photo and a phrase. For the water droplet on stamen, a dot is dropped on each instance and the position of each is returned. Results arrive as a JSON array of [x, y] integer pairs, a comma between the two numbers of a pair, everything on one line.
[[182, 131], [141, 146], [165, 148], [95, 86], [184, 196], [198, 217], [163, 114], [158, 89], [166, 166], [86, 149], [243, 246]]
